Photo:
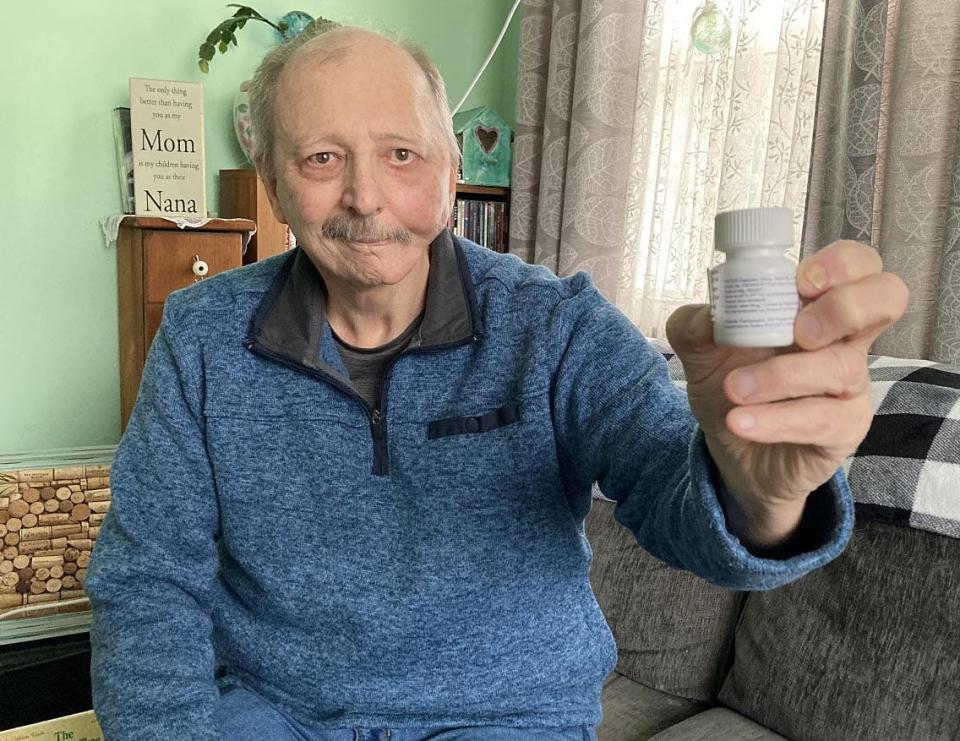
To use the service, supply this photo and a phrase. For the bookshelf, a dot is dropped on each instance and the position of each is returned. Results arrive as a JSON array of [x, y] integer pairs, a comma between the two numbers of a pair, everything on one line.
[[482, 213]]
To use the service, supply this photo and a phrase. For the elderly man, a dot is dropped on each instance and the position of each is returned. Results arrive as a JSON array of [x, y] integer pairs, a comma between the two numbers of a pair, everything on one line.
[[350, 500]]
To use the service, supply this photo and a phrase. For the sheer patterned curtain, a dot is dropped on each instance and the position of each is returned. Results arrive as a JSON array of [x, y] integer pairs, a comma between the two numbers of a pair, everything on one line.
[[694, 134], [886, 158]]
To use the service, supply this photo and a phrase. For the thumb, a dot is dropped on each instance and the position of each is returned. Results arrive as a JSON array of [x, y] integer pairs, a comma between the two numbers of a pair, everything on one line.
[[690, 330]]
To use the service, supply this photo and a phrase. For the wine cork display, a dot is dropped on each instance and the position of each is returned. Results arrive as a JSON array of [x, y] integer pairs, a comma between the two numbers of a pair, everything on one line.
[[49, 522]]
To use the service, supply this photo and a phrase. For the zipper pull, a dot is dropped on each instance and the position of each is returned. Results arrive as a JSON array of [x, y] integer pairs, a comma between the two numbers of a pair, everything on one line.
[[376, 423]]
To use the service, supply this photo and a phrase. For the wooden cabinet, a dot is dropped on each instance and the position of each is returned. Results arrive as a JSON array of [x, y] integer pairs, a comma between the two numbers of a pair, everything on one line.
[[154, 258], [243, 195]]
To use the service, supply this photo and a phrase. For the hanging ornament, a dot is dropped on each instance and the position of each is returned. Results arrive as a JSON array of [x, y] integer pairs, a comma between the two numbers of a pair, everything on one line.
[[710, 31]]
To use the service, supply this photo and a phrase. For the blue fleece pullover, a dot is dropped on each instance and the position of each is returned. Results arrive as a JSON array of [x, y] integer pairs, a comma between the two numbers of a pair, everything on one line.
[[419, 563]]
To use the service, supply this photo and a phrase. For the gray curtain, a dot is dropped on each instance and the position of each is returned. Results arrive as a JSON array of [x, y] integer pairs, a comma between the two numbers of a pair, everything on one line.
[[576, 95], [886, 157]]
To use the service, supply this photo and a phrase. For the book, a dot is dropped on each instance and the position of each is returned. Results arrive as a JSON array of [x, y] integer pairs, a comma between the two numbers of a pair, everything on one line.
[[166, 124], [123, 143]]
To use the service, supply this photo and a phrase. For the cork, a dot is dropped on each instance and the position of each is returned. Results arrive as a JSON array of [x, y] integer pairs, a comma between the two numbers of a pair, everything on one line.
[[14, 524], [63, 493], [18, 508], [48, 561], [96, 519], [64, 529], [41, 597], [51, 505], [70, 567], [39, 475], [54, 585], [83, 545], [54, 518], [10, 580], [68, 472], [83, 560], [37, 533], [99, 507], [9, 552], [21, 562], [79, 512], [41, 574], [81, 575], [69, 582], [11, 538], [31, 495], [71, 554], [11, 600], [66, 594], [56, 571], [4, 515], [76, 497], [98, 495], [37, 509], [96, 470], [3, 530], [29, 520], [94, 532], [37, 587], [47, 493], [65, 506]]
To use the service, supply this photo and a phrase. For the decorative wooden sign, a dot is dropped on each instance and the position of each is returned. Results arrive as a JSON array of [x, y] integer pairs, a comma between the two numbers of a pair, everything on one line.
[[166, 122]]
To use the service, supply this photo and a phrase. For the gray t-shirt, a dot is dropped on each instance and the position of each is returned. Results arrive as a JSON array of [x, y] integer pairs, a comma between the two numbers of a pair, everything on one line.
[[366, 366]]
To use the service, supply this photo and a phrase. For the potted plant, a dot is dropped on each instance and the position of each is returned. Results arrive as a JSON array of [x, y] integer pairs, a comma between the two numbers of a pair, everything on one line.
[[224, 34]]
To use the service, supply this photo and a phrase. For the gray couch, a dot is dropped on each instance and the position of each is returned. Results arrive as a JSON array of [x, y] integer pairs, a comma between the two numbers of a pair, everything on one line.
[[867, 648]]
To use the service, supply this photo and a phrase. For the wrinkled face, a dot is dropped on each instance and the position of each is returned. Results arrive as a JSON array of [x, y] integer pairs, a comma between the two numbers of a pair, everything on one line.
[[361, 174]]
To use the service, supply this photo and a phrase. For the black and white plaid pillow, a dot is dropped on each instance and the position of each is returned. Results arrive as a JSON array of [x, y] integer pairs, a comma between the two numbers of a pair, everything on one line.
[[907, 469]]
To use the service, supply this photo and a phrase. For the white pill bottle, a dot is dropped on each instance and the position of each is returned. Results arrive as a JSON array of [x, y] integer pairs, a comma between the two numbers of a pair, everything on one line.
[[753, 295]]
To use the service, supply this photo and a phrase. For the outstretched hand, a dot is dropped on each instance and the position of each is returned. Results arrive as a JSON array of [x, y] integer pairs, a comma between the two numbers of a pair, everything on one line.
[[780, 422]]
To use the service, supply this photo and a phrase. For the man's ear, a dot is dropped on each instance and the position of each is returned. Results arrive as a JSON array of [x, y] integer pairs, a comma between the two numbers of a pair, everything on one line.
[[453, 185], [270, 187]]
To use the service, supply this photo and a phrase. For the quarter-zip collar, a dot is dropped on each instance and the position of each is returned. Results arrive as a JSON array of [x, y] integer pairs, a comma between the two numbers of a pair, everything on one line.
[[290, 322]]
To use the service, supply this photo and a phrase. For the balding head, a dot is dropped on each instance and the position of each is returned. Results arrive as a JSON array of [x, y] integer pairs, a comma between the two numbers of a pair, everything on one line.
[[316, 46]]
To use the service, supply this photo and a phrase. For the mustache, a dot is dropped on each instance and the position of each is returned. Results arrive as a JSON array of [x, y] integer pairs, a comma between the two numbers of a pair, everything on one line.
[[347, 228]]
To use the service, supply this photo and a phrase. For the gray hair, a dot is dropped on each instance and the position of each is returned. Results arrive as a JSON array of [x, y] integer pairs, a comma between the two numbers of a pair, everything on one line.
[[330, 41]]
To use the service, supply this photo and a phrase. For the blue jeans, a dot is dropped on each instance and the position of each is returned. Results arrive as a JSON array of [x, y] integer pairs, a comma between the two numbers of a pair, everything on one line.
[[242, 715]]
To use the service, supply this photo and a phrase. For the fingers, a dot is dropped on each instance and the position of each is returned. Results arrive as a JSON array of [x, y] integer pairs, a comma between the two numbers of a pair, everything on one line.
[[858, 311], [833, 424], [835, 265], [838, 370]]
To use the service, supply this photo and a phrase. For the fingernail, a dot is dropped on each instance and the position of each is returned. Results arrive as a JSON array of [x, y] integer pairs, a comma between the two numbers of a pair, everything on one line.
[[743, 383], [808, 326], [816, 275], [745, 421]]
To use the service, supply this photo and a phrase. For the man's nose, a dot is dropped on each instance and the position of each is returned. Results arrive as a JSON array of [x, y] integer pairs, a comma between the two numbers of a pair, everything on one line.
[[362, 192]]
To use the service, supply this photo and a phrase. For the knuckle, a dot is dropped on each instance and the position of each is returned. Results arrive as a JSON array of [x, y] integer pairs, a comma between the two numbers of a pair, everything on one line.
[[850, 370]]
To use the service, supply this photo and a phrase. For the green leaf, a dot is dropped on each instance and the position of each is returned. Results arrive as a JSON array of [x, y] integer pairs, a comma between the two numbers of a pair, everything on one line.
[[223, 46], [233, 38], [207, 51], [204, 66]]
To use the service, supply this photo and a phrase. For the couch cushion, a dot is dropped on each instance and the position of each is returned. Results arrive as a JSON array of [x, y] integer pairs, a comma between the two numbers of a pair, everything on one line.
[[673, 630], [865, 648], [716, 724], [633, 712]]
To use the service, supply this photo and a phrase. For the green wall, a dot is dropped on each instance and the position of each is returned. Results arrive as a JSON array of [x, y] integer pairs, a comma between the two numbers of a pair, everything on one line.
[[64, 66]]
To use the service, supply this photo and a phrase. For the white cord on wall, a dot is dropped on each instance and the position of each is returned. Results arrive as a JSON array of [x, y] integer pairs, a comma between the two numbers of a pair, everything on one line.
[[483, 67]]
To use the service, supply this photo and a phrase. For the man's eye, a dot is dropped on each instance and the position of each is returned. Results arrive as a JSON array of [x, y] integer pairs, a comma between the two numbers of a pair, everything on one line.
[[321, 158], [402, 155]]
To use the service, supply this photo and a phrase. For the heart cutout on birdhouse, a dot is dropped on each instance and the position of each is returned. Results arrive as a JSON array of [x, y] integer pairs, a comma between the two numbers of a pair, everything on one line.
[[488, 138]]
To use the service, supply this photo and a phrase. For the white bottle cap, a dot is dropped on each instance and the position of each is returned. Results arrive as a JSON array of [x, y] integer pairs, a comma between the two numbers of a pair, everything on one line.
[[753, 227]]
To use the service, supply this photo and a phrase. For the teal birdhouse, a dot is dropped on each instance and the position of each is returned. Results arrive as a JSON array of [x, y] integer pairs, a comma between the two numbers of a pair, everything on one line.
[[485, 143]]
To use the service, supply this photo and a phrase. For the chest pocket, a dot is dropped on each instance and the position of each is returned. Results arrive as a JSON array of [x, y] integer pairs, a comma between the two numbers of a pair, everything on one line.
[[505, 415]]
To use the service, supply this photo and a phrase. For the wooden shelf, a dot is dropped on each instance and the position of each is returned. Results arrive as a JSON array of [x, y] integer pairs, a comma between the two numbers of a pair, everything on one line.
[[214, 225], [492, 191]]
